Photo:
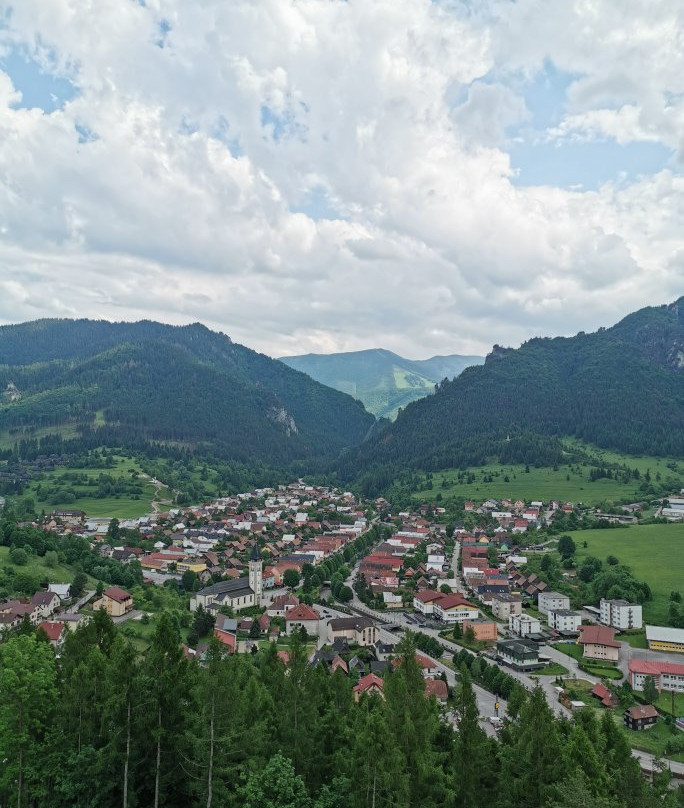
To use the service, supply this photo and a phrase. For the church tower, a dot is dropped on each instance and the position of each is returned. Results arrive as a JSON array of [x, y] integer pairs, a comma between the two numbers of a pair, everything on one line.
[[255, 574]]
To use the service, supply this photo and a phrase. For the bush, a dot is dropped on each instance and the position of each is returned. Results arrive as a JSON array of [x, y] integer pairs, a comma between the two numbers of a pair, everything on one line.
[[18, 556]]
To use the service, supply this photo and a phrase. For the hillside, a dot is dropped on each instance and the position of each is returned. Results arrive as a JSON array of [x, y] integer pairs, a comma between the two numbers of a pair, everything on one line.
[[127, 384], [620, 388], [382, 380]]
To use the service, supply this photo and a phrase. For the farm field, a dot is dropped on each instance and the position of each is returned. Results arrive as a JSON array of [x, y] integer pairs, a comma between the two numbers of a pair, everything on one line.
[[655, 554], [568, 482]]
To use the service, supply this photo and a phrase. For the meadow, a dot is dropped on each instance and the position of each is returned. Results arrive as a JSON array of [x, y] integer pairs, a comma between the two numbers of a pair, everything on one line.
[[119, 505], [654, 553], [569, 483]]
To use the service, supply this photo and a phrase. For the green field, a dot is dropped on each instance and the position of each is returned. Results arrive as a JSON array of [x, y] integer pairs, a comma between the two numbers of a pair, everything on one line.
[[655, 554], [569, 483], [37, 568], [121, 506]]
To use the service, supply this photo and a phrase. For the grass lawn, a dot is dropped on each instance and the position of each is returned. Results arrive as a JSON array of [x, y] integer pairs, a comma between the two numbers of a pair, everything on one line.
[[602, 671], [552, 669], [655, 554], [664, 704], [637, 640], [568, 482], [570, 648]]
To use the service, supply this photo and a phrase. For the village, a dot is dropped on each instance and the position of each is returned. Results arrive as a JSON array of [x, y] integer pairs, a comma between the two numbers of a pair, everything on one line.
[[350, 578]]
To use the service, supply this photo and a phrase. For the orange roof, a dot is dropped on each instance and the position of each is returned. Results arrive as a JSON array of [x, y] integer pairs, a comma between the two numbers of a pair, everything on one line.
[[302, 612], [367, 682]]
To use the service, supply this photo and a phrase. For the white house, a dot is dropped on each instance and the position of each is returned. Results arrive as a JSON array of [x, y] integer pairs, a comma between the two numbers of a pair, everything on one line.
[[454, 609], [424, 602]]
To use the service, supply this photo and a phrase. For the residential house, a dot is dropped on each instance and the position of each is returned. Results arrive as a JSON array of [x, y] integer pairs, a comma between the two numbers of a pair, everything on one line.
[[302, 617], [424, 602], [63, 591], [437, 688], [504, 605], [225, 631], [281, 604], [640, 717], [45, 604], [369, 685], [598, 642], [55, 632], [115, 601]]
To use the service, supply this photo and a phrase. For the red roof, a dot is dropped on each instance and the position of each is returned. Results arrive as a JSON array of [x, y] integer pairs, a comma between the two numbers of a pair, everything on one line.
[[655, 668], [53, 630], [367, 682], [302, 612], [437, 688], [452, 601], [598, 635], [642, 711], [428, 595], [117, 594], [226, 638]]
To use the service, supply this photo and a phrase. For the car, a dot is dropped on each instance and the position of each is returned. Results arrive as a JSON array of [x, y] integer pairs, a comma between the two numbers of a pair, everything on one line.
[[495, 721]]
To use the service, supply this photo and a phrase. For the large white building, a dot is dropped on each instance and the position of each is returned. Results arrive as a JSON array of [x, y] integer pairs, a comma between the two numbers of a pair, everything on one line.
[[564, 620], [552, 601], [524, 624], [620, 614]]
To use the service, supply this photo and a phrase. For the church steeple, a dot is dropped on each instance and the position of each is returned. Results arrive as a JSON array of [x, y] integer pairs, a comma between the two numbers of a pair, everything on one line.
[[255, 573]]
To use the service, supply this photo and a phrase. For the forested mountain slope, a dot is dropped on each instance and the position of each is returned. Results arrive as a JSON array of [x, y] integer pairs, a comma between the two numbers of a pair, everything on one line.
[[131, 382], [619, 388], [382, 380]]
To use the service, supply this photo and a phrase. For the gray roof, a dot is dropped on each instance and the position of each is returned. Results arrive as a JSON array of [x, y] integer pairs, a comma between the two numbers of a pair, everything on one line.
[[237, 585]]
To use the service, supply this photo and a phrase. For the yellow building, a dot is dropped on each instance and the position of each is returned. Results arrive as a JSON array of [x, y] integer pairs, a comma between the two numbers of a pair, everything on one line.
[[115, 601], [192, 566], [663, 638]]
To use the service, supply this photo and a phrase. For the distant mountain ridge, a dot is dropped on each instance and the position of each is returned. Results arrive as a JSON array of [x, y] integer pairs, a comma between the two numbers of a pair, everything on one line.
[[381, 379], [619, 388], [128, 383]]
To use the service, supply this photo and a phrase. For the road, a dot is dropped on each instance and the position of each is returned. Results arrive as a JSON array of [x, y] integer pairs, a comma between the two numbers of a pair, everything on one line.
[[486, 700]]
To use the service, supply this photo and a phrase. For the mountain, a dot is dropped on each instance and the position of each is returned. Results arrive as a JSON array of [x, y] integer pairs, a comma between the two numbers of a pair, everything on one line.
[[382, 380], [132, 383], [620, 388]]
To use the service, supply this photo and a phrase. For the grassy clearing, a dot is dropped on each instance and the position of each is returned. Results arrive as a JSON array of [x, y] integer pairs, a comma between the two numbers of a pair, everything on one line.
[[637, 640], [655, 554], [567, 482], [121, 506], [570, 649], [552, 669], [36, 566]]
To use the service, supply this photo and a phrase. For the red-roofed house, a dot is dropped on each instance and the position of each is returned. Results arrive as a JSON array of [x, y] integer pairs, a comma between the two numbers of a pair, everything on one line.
[[302, 616], [437, 688], [115, 601], [601, 692], [369, 684], [598, 642], [55, 632]]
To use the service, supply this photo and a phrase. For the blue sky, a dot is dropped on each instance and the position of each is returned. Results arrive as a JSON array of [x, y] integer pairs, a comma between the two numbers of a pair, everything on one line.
[[329, 175]]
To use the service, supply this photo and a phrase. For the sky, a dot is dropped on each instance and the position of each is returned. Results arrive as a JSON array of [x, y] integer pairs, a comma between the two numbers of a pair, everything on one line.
[[332, 175]]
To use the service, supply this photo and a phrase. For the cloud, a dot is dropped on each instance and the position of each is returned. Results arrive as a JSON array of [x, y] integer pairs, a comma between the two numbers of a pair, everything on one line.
[[174, 183]]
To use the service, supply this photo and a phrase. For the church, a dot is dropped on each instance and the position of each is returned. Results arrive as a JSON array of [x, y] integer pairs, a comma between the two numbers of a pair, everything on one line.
[[237, 594]]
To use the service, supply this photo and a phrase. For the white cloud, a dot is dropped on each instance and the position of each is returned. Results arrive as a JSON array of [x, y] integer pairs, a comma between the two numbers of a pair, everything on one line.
[[180, 200]]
